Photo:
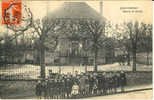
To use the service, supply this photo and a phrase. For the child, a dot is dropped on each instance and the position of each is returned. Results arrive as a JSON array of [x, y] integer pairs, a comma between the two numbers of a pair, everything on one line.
[[75, 90], [38, 89], [95, 89]]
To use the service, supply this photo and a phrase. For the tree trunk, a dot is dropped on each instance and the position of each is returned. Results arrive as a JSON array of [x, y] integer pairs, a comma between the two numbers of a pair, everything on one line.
[[128, 59], [86, 69], [5, 57], [42, 59], [86, 62], [95, 60], [147, 58], [134, 60], [60, 69]]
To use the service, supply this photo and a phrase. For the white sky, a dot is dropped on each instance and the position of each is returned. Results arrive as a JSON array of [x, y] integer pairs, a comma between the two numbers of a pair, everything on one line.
[[111, 10]]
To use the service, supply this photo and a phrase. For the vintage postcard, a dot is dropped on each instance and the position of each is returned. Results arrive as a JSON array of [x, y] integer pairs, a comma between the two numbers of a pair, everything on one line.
[[76, 49]]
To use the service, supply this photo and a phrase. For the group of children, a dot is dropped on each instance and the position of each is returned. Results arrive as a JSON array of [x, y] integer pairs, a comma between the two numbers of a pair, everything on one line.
[[60, 86]]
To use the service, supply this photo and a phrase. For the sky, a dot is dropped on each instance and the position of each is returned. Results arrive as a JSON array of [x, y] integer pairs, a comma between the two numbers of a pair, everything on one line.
[[114, 11]]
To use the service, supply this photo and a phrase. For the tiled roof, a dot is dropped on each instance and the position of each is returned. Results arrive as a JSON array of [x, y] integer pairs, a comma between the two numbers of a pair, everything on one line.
[[75, 10]]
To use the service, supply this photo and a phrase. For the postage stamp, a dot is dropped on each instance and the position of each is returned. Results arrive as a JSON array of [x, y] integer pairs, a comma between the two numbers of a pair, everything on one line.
[[11, 11]]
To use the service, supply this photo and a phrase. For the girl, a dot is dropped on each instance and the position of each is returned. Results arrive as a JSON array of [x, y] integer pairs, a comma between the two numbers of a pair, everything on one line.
[[75, 90]]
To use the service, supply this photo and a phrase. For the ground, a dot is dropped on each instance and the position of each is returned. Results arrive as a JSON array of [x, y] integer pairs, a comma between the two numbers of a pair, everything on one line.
[[135, 92], [147, 94]]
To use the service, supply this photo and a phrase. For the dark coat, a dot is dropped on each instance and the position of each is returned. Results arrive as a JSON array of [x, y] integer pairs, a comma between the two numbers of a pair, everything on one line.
[[91, 82], [38, 89], [123, 79], [68, 85], [116, 81]]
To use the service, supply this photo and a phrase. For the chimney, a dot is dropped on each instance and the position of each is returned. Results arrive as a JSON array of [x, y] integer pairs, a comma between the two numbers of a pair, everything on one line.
[[101, 8]]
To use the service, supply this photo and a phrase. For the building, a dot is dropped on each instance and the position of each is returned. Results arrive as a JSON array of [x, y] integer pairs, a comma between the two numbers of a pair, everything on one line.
[[70, 50]]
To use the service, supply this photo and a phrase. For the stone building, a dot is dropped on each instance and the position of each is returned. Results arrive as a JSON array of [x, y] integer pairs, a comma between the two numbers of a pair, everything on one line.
[[70, 50]]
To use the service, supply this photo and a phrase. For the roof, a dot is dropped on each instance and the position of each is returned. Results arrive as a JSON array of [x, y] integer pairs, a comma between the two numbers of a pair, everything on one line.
[[75, 10]]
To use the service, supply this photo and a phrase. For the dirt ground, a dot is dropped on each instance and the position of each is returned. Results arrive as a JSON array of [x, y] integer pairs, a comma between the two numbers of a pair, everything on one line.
[[147, 94]]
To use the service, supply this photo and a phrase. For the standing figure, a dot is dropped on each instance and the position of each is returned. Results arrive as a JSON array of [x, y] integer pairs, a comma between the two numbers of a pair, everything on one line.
[[82, 85], [44, 88], [59, 88], [103, 84], [87, 86], [99, 80], [68, 87], [38, 89], [91, 84], [116, 82], [75, 90], [122, 80], [63, 88], [110, 82], [47, 89], [51, 89], [95, 87], [107, 80], [55, 92]]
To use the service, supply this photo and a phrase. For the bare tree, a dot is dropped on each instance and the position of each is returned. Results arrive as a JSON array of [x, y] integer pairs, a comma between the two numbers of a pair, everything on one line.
[[122, 41], [42, 28], [48, 33], [17, 29], [145, 40], [133, 30], [95, 30], [148, 40]]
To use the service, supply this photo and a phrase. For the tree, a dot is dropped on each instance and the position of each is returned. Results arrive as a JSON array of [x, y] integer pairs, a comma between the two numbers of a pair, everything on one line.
[[48, 33], [145, 40], [95, 30], [17, 29], [42, 28], [133, 31], [122, 39], [148, 40], [7, 48]]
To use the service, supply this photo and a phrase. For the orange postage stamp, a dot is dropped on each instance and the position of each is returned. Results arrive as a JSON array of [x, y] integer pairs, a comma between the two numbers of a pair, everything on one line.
[[11, 11]]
